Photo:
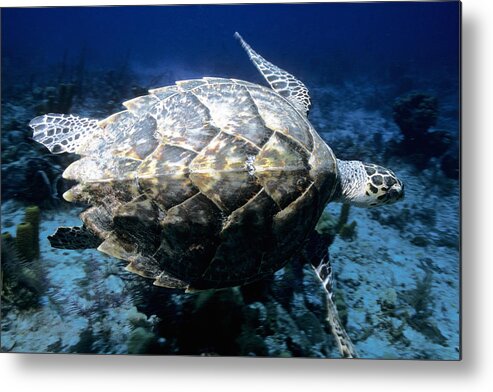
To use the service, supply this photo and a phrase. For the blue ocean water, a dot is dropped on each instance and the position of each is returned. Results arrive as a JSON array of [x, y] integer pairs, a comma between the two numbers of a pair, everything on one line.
[[384, 82], [308, 38]]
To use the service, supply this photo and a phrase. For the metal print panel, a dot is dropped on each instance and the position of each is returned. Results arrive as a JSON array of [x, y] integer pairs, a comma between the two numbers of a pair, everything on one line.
[[276, 180]]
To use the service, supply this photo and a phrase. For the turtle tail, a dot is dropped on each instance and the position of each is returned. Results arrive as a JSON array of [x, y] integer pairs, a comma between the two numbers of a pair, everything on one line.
[[62, 132]]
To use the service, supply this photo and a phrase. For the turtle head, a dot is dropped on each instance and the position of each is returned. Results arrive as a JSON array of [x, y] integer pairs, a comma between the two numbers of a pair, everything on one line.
[[367, 185]]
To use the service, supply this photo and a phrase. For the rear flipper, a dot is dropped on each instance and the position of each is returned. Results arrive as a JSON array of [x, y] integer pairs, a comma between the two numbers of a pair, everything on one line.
[[62, 132], [74, 238], [317, 254]]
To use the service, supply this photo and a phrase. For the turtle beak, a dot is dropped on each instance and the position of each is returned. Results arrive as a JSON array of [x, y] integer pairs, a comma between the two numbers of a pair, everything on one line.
[[396, 192]]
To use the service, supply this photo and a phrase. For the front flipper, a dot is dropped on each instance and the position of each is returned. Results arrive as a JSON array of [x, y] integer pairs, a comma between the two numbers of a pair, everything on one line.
[[62, 132], [74, 238], [281, 81], [317, 254]]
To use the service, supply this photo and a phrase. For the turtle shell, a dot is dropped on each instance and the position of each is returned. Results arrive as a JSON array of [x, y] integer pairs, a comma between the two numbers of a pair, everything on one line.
[[209, 183]]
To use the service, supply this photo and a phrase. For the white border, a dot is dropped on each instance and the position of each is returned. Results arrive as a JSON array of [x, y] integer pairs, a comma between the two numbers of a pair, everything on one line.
[[105, 373]]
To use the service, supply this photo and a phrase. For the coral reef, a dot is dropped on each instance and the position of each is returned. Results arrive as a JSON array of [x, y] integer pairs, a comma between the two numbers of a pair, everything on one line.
[[343, 217], [28, 173], [32, 179], [24, 241], [420, 299], [55, 100], [23, 280], [328, 227], [415, 113], [280, 316], [140, 341], [27, 235], [348, 231], [33, 217], [450, 164]]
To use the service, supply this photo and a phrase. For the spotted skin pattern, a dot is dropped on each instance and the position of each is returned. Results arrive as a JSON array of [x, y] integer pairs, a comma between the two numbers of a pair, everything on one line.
[[383, 185], [367, 185], [281, 81], [316, 253], [61, 132]]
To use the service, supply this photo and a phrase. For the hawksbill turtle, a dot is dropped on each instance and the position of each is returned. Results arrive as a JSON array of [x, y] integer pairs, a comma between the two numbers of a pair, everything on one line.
[[210, 183]]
